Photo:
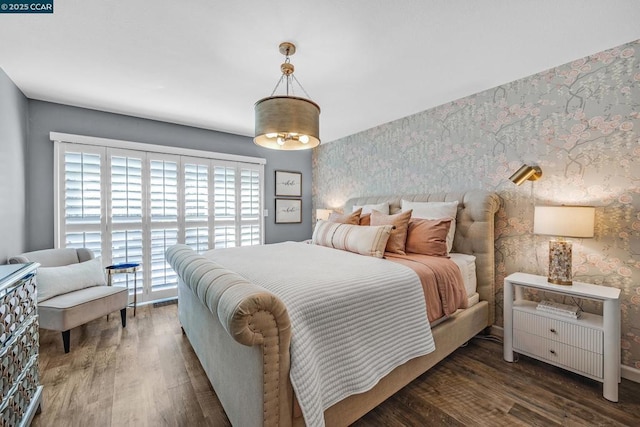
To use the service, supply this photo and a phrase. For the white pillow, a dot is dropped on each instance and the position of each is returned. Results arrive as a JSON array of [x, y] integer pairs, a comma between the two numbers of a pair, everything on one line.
[[54, 281], [370, 241], [366, 209], [435, 210]]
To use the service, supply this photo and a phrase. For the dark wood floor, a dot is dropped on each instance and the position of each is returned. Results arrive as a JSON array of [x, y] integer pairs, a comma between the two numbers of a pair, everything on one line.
[[148, 375]]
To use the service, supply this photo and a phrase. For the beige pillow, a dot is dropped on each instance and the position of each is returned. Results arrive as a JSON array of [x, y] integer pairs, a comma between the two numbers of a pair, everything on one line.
[[435, 210], [398, 237], [370, 241], [352, 218], [365, 219], [428, 236]]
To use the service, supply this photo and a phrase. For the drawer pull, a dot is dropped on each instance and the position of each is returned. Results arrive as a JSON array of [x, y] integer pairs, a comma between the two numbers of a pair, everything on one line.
[[552, 352], [553, 330]]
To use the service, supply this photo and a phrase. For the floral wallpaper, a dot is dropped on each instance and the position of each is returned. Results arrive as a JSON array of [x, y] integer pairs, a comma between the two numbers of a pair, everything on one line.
[[579, 122]]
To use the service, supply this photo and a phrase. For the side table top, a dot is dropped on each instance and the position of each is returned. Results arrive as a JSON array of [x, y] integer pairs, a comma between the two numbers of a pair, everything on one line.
[[577, 289], [130, 267]]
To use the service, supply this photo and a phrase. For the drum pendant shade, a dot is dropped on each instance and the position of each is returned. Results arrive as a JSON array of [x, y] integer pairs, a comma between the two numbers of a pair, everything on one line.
[[279, 116], [287, 122]]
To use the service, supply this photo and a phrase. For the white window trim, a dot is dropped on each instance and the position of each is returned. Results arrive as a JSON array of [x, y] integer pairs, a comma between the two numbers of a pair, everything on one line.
[[141, 146]]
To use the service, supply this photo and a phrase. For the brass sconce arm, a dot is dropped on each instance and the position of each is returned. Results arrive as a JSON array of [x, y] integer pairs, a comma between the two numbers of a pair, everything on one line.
[[530, 173]]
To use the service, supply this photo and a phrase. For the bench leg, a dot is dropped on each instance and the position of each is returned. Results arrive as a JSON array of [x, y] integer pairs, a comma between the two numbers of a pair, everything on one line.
[[123, 316], [66, 339]]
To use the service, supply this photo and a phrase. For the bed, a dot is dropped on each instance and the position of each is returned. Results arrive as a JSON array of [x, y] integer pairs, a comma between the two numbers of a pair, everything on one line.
[[242, 333]]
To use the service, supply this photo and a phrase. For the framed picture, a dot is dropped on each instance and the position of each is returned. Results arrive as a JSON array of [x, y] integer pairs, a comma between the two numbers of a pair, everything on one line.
[[288, 184], [288, 211]]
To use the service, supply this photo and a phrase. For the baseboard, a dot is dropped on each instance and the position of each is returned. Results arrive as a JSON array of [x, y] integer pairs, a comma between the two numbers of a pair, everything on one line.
[[626, 372], [496, 330], [161, 302], [630, 373]]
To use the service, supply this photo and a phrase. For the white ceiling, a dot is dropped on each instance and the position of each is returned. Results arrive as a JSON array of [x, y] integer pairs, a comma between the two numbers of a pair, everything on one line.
[[365, 62]]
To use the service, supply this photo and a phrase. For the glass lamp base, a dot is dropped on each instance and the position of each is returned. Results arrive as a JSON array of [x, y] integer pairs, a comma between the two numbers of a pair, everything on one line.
[[560, 262]]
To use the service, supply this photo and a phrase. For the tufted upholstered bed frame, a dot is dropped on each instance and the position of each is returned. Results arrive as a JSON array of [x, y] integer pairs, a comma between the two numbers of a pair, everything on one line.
[[241, 333]]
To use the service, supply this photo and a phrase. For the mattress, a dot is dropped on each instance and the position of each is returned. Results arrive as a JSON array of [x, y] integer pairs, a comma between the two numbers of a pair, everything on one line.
[[467, 265]]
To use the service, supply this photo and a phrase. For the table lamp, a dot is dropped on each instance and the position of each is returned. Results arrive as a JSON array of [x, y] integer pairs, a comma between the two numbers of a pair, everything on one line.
[[562, 221], [323, 214]]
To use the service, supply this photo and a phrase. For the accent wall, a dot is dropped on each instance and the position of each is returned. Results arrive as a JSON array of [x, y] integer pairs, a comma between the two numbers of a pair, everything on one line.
[[580, 122]]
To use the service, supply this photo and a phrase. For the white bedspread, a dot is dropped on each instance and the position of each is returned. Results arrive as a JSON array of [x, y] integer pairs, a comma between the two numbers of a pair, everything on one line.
[[354, 318]]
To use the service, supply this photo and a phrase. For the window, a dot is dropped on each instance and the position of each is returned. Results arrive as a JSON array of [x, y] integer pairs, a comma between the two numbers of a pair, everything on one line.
[[129, 202]]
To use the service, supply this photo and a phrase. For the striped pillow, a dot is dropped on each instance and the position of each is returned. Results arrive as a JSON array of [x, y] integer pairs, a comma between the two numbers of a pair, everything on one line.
[[369, 241]]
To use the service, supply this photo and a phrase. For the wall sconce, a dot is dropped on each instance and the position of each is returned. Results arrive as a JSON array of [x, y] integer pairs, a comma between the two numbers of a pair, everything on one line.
[[530, 173], [323, 214], [562, 221]]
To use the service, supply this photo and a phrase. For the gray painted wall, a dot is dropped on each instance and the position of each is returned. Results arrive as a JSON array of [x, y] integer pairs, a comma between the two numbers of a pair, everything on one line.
[[13, 144], [45, 117]]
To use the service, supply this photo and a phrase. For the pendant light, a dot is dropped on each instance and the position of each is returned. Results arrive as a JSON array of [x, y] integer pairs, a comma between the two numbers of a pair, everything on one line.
[[287, 122]]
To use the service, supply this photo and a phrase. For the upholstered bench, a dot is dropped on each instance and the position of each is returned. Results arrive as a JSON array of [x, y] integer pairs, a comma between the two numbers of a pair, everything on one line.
[[72, 290]]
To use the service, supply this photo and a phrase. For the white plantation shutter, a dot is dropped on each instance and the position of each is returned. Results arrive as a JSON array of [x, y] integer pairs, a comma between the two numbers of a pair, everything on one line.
[[196, 203], [250, 196], [130, 205], [126, 189], [224, 206], [196, 177], [162, 275], [224, 182], [82, 188], [250, 234], [224, 236], [127, 247], [126, 213], [197, 238], [82, 198], [164, 190], [163, 221], [85, 239]]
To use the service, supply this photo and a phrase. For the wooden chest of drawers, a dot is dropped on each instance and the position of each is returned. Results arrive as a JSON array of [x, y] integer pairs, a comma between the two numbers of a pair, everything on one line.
[[20, 387]]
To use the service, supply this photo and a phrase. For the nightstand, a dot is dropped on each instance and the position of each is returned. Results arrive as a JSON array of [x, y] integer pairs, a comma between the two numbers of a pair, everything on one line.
[[589, 346]]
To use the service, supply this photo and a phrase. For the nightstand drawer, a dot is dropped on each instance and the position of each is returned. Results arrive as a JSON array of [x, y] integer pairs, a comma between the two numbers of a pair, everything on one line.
[[566, 332], [559, 354]]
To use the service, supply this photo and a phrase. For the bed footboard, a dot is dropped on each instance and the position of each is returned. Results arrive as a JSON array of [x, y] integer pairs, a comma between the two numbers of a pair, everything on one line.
[[241, 335]]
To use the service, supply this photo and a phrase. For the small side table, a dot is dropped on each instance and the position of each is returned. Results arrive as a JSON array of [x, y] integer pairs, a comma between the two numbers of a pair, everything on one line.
[[126, 269]]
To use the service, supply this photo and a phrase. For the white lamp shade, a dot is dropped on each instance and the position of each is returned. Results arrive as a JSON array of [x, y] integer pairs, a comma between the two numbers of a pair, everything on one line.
[[323, 214], [565, 221]]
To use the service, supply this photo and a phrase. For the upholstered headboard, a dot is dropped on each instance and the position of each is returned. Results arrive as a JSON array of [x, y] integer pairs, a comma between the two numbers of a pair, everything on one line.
[[474, 230]]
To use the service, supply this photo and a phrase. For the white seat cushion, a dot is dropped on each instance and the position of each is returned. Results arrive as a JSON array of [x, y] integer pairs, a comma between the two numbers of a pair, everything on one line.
[[72, 309]]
